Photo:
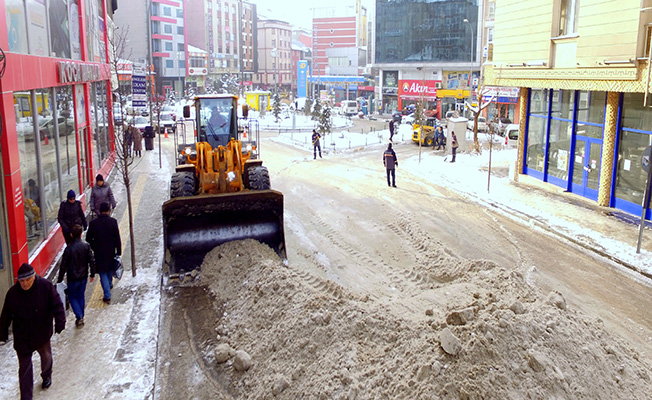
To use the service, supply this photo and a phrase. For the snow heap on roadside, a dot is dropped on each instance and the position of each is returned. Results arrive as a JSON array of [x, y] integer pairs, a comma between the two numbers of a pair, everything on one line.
[[497, 337]]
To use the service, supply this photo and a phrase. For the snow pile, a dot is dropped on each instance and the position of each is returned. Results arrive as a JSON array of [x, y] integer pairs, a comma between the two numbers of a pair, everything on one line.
[[301, 121], [490, 335]]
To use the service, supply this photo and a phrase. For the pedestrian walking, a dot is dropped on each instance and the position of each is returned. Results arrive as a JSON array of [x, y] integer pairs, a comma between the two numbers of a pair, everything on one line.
[[315, 144], [101, 193], [71, 213], [31, 305], [391, 129], [77, 263], [129, 139], [391, 163], [104, 237], [454, 145], [138, 142]]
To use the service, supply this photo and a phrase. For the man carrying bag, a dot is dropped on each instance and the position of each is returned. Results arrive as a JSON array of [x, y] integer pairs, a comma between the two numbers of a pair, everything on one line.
[[104, 237]]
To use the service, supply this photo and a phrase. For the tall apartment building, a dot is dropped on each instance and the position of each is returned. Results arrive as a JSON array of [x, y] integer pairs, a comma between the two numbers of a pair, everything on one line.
[[225, 29], [168, 40], [339, 40], [274, 55], [583, 73], [426, 51]]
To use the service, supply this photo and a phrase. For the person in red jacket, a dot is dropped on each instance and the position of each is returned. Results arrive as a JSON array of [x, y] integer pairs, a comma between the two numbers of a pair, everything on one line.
[[31, 305]]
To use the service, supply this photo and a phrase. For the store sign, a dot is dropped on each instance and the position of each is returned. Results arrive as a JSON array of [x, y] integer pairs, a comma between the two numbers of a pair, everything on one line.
[[366, 88], [417, 88], [390, 90], [72, 72], [139, 86], [502, 95], [302, 78]]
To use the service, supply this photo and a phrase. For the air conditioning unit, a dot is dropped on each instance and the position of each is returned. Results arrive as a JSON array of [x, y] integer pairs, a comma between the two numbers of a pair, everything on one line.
[[437, 85]]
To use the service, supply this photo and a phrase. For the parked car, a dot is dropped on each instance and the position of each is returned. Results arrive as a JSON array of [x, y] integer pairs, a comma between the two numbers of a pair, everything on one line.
[[397, 116], [482, 124], [170, 111], [166, 121], [499, 125], [46, 128], [139, 122], [408, 119], [511, 136]]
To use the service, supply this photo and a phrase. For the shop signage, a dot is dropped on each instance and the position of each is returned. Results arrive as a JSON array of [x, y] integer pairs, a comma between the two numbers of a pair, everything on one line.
[[71, 72], [139, 86], [390, 90], [417, 88], [366, 88], [302, 78]]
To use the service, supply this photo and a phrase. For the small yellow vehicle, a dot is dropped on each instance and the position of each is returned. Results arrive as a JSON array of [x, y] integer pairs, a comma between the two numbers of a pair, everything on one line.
[[425, 133]]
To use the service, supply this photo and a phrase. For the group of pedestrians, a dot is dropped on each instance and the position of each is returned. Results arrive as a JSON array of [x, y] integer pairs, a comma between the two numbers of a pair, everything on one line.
[[32, 306], [134, 141]]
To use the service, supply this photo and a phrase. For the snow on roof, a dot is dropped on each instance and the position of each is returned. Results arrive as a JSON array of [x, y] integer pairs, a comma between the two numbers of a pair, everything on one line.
[[193, 49]]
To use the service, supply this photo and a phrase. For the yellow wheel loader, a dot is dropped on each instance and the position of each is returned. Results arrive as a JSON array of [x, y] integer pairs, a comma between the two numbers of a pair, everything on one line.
[[220, 191]]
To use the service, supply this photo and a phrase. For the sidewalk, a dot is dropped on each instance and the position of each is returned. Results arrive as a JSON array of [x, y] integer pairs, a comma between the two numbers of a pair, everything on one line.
[[114, 355]]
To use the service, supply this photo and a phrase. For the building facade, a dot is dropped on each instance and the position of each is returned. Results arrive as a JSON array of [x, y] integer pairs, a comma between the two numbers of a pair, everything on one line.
[[274, 55], [426, 50], [57, 125], [583, 72], [167, 45]]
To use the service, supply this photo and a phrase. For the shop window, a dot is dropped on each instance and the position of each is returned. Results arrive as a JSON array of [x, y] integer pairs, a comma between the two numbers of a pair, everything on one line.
[[539, 102], [68, 143], [591, 106], [536, 141], [562, 104], [635, 116], [631, 177], [559, 148]]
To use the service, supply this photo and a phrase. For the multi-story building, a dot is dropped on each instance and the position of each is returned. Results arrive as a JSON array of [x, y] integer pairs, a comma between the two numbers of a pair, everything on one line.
[[583, 69], [274, 55], [426, 51], [226, 29], [167, 45], [57, 126]]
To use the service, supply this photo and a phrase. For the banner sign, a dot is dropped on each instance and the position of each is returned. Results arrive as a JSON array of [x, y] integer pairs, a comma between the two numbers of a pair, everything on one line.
[[139, 86], [302, 78], [416, 88]]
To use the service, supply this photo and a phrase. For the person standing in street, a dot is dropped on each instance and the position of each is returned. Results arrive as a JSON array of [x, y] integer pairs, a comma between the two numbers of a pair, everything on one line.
[[391, 129], [71, 213], [78, 263], [31, 305], [390, 162], [101, 193], [104, 237], [138, 142], [454, 145], [315, 144]]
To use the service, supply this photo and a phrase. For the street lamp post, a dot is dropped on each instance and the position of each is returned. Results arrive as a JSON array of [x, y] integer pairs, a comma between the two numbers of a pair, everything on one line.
[[471, 66]]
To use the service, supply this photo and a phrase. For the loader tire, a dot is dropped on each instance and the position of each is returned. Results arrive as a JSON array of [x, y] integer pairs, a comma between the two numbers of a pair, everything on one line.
[[258, 178], [182, 184], [427, 142]]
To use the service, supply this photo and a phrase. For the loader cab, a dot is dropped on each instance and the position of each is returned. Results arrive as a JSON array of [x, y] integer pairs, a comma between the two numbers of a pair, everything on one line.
[[216, 119]]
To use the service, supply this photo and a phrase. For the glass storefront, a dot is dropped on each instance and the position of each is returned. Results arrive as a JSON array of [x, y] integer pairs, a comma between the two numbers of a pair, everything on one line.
[[635, 136], [48, 165], [417, 30]]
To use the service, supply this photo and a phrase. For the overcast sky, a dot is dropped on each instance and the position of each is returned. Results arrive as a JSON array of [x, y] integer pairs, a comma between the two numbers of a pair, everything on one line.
[[300, 13]]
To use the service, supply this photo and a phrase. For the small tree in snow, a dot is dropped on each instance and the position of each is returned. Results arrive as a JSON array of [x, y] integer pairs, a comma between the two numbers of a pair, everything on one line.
[[228, 84], [475, 112], [316, 112], [276, 106], [307, 107], [325, 121]]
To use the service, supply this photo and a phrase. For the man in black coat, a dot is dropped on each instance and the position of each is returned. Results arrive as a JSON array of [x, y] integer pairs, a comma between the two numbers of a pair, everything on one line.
[[32, 304], [390, 162], [104, 237], [78, 263], [71, 213]]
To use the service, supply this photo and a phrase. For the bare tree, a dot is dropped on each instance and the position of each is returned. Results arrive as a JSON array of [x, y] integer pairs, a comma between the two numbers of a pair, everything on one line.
[[117, 53], [476, 111]]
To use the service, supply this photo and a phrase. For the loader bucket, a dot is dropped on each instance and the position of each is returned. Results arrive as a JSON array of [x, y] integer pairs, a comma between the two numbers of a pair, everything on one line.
[[193, 226]]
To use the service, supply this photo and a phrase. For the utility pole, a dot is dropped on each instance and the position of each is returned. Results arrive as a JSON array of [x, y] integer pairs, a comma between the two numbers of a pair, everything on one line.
[[471, 65]]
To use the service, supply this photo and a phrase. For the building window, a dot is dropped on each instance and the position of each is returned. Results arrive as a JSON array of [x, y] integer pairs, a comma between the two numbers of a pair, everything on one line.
[[167, 11], [155, 27], [492, 11], [273, 42], [169, 63], [155, 9], [568, 16], [179, 13], [181, 47], [182, 64], [179, 30], [167, 28], [168, 46], [490, 35]]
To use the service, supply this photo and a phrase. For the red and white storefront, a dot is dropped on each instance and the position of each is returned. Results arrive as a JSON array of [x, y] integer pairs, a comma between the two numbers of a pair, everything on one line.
[[57, 123], [412, 91]]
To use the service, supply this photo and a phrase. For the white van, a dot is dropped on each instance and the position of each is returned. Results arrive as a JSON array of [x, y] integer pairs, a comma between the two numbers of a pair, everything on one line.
[[350, 107], [511, 136]]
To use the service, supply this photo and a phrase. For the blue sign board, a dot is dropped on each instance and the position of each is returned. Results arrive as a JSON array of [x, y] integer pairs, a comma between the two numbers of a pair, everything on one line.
[[139, 86], [302, 78]]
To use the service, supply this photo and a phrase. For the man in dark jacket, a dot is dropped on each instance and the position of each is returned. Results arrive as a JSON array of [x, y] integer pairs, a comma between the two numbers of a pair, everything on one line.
[[390, 162], [104, 237], [77, 261], [101, 193], [32, 304], [315, 144], [71, 213], [391, 129]]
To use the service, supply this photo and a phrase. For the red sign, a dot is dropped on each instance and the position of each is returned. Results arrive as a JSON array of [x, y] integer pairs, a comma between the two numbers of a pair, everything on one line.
[[412, 88], [366, 88]]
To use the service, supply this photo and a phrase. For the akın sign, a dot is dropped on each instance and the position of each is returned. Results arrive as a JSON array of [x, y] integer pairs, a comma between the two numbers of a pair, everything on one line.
[[417, 88]]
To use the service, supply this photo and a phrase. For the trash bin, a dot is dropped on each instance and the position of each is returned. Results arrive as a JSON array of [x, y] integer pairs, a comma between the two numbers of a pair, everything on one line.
[[149, 138]]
